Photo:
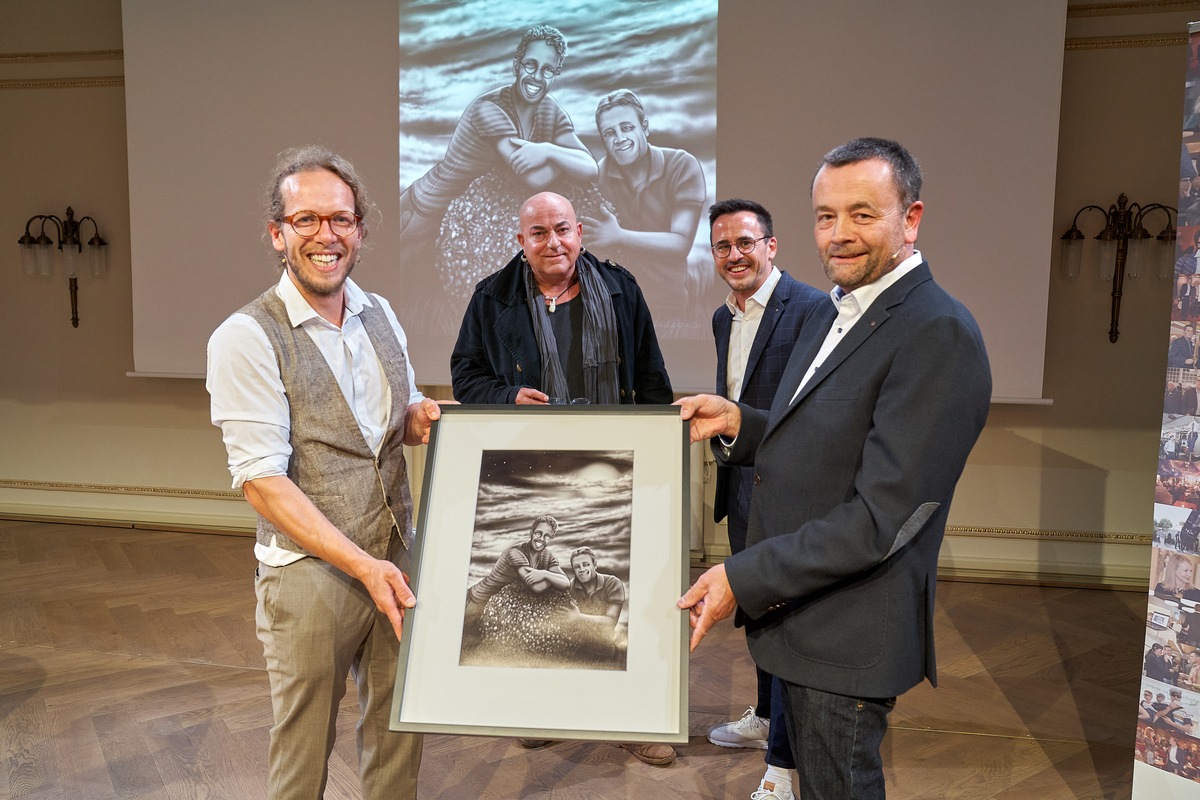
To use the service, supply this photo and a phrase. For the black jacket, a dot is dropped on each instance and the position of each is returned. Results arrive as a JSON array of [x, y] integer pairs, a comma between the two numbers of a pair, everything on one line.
[[496, 352]]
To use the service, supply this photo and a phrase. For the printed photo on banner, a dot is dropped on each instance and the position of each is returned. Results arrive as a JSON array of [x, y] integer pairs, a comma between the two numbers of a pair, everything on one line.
[[1176, 521]]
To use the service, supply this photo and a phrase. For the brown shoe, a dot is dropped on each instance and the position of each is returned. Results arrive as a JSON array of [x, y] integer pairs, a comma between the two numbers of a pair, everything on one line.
[[657, 754]]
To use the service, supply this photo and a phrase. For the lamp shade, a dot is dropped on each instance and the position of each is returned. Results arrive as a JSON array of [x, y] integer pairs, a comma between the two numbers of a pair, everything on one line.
[[1139, 254], [43, 255], [28, 261], [1106, 258], [70, 260], [1071, 253], [97, 255]]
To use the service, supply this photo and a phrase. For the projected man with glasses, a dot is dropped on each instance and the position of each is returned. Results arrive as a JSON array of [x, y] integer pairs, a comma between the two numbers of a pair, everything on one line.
[[517, 127]]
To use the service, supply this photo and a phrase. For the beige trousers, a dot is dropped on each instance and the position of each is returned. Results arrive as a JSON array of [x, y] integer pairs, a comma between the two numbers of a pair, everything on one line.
[[317, 625]]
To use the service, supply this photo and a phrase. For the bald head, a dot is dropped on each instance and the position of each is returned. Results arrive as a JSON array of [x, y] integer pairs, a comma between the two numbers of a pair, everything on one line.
[[551, 237], [544, 202]]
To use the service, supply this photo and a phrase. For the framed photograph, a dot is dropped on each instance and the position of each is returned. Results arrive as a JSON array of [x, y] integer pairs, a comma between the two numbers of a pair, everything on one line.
[[551, 549]]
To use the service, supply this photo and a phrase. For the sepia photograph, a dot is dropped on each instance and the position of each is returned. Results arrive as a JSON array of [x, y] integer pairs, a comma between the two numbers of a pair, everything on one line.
[[547, 589]]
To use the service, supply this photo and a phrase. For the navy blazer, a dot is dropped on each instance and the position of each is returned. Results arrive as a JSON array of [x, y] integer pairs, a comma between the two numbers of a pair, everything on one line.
[[787, 309], [853, 483]]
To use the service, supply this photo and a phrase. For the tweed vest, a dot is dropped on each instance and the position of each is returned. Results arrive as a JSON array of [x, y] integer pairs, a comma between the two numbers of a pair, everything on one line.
[[365, 497]]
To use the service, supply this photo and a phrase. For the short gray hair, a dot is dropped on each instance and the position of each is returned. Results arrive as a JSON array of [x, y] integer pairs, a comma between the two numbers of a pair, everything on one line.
[[905, 170]]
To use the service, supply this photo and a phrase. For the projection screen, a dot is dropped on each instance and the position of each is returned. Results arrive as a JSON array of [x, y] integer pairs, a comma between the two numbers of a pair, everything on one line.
[[215, 90]]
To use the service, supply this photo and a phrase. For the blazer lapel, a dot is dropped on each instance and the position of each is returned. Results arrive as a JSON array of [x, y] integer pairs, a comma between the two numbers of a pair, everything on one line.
[[870, 323], [721, 329], [766, 326], [811, 337]]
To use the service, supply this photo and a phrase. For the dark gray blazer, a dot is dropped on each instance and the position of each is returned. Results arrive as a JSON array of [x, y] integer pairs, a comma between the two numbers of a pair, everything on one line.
[[853, 484]]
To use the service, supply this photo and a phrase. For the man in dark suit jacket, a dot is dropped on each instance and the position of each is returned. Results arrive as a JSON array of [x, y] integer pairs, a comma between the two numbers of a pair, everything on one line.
[[1182, 351], [762, 316], [1191, 399], [854, 468]]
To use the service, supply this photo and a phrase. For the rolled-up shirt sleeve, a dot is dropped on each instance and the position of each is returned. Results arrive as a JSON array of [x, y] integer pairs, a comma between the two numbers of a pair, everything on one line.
[[249, 403]]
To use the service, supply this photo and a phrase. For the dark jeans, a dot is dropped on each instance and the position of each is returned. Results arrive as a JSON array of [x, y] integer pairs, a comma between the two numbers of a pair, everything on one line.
[[769, 704], [836, 741], [779, 745]]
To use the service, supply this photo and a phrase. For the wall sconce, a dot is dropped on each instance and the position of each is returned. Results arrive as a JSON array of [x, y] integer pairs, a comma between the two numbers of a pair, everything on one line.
[[37, 254], [1124, 247]]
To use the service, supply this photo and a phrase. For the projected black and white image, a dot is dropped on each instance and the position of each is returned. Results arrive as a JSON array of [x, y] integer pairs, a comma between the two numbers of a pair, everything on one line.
[[548, 577], [623, 127]]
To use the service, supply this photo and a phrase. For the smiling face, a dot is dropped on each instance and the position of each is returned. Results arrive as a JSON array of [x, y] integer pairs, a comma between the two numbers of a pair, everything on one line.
[[540, 536], [538, 55], [861, 228], [318, 264], [624, 134], [1183, 573], [551, 237], [744, 272], [584, 567]]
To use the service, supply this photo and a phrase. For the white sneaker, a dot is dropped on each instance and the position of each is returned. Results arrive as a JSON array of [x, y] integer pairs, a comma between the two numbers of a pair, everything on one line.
[[767, 791], [749, 731]]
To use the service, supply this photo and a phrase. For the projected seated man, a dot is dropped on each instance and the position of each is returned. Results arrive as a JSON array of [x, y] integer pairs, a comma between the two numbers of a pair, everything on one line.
[[658, 195], [517, 127]]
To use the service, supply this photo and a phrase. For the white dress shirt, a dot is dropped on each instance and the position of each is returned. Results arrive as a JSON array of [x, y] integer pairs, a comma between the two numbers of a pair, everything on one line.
[[851, 307], [743, 329]]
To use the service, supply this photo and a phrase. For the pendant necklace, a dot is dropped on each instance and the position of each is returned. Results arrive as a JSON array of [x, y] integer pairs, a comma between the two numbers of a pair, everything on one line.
[[553, 301]]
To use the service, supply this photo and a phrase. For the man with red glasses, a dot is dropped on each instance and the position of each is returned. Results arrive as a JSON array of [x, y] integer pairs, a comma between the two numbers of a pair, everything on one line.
[[518, 127], [315, 397]]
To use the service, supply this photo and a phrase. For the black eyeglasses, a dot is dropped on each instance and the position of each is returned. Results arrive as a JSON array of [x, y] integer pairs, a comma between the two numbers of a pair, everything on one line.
[[308, 223], [546, 71], [744, 246]]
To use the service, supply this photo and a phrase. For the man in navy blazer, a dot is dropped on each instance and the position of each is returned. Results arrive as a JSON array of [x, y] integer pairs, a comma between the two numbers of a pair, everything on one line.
[[855, 465], [755, 330]]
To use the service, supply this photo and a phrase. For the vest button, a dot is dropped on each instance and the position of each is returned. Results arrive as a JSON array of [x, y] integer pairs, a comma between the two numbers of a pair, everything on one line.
[[757, 479]]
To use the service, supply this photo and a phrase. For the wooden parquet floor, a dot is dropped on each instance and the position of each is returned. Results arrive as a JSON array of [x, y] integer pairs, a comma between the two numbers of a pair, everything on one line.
[[129, 669]]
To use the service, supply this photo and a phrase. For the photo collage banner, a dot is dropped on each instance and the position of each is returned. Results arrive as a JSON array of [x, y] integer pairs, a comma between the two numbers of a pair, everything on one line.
[[1168, 721]]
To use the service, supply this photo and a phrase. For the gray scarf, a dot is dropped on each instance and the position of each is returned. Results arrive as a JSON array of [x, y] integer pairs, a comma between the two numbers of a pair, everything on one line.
[[600, 356]]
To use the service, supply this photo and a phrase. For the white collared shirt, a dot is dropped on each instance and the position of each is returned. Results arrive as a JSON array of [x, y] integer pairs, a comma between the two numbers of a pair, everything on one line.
[[851, 307], [743, 329]]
